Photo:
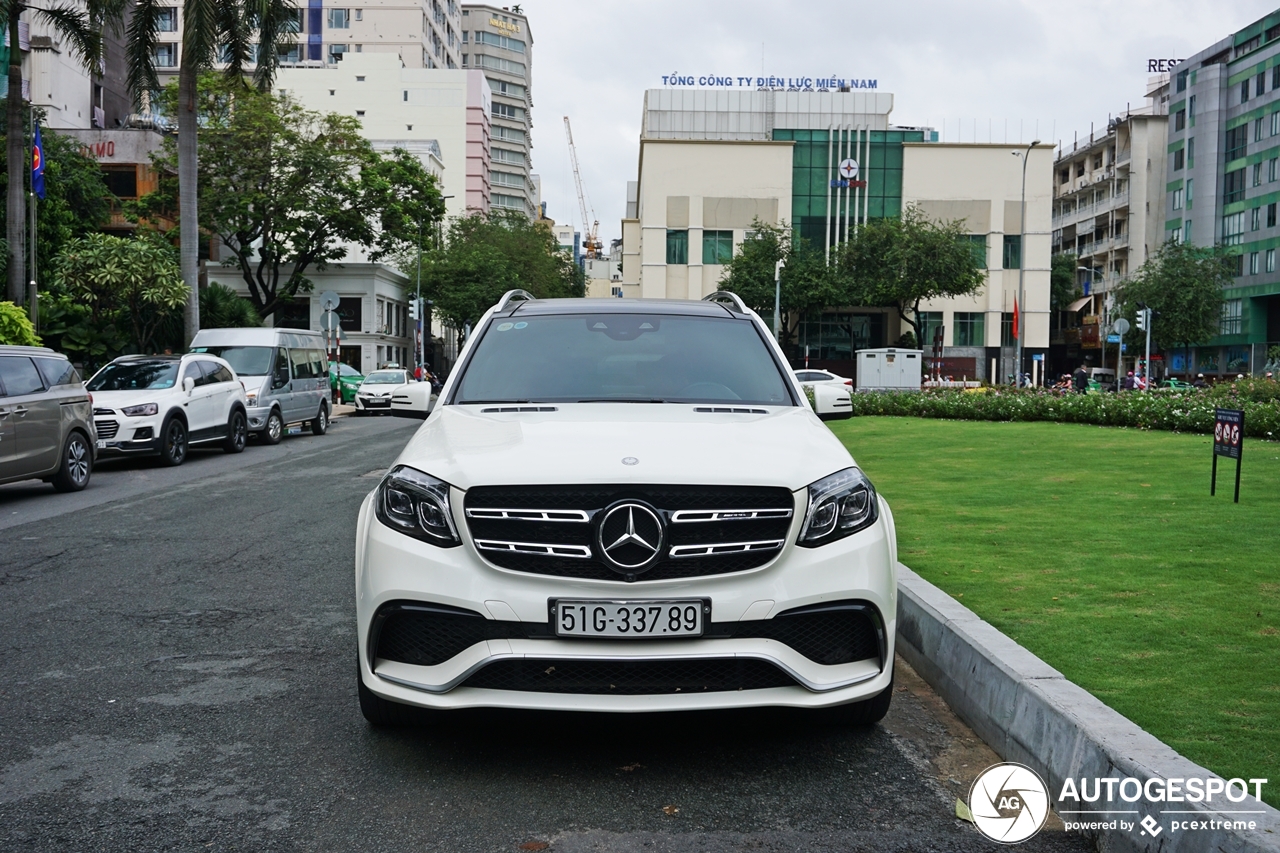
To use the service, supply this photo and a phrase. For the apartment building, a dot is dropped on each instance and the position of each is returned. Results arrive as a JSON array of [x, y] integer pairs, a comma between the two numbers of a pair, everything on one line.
[[497, 41], [1223, 186]]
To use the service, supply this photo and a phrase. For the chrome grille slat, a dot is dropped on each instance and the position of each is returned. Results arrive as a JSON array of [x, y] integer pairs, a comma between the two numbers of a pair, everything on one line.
[[106, 429], [570, 515], [577, 552], [689, 515], [720, 548]]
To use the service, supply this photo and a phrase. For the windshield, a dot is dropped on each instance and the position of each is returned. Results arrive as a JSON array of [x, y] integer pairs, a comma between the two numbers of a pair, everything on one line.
[[245, 361], [135, 375], [385, 377], [344, 370], [646, 358]]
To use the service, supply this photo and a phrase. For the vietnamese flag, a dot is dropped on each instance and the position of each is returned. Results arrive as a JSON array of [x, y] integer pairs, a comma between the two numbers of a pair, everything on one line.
[[1015, 318]]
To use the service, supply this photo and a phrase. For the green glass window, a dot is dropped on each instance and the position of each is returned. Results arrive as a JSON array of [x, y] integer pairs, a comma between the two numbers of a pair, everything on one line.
[[717, 247], [677, 246], [1006, 330], [969, 331], [1013, 251], [929, 322], [978, 245]]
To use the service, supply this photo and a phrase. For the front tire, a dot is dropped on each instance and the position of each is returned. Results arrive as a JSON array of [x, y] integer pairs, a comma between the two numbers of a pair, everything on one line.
[[320, 424], [274, 430], [237, 433], [173, 442], [77, 465]]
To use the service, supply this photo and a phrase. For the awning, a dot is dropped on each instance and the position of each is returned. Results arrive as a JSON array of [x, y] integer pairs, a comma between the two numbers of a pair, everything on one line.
[[1080, 303]]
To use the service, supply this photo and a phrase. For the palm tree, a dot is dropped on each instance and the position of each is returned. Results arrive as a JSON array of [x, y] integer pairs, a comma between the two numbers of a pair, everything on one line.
[[81, 28], [213, 31]]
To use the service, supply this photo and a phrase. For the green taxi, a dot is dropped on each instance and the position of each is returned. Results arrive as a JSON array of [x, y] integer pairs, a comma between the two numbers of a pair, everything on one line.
[[347, 378]]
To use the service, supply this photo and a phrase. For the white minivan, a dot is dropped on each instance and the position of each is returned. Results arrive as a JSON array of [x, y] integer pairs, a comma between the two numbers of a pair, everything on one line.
[[284, 372]]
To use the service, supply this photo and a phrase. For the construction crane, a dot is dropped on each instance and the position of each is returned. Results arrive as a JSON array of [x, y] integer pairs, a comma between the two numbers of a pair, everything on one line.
[[591, 242]]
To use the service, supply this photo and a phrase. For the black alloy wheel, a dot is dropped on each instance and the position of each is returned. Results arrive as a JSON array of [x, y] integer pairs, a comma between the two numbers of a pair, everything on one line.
[[173, 442], [237, 433]]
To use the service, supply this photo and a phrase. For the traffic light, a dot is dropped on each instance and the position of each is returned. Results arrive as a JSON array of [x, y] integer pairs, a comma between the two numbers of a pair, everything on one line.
[[413, 309], [1142, 319]]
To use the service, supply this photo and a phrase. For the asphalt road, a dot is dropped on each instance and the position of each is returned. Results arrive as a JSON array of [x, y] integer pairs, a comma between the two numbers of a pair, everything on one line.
[[177, 673]]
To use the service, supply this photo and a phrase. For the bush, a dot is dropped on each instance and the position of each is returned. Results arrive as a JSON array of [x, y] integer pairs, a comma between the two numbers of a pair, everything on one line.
[[15, 327], [1187, 411]]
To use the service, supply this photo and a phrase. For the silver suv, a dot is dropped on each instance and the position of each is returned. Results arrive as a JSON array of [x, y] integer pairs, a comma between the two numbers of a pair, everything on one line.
[[46, 421]]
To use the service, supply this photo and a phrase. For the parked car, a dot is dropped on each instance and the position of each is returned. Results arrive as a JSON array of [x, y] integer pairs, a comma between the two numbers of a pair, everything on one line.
[[832, 394], [624, 506], [146, 405], [375, 392], [346, 379], [283, 371], [46, 420], [823, 376]]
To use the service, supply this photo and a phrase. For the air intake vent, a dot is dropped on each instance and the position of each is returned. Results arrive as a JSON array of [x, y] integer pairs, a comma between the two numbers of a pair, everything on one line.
[[725, 410], [519, 409]]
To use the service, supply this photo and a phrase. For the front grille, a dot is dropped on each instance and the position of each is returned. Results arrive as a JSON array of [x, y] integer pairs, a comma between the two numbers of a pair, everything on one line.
[[629, 678], [427, 634], [106, 429], [107, 412], [550, 530]]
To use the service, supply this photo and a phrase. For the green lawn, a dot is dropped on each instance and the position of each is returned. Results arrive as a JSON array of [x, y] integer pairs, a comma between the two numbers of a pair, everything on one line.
[[1100, 550]]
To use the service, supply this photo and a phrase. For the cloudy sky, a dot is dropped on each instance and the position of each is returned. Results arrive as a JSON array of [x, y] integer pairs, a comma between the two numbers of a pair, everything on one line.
[[1047, 67]]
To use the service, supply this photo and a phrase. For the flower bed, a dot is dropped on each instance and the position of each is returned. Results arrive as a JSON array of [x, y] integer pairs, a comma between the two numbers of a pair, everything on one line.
[[1188, 411]]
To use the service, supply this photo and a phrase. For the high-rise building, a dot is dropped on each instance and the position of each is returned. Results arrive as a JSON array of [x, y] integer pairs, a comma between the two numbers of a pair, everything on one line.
[[1223, 184], [497, 41]]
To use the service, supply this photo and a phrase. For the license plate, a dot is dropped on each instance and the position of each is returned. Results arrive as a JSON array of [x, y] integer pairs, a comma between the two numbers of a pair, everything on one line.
[[102, 443], [629, 619]]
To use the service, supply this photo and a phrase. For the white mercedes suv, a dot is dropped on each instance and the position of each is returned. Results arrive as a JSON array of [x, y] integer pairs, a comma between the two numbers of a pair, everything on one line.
[[624, 505]]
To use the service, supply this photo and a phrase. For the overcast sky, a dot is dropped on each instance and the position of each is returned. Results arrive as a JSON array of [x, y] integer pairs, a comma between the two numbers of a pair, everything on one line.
[[947, 63]]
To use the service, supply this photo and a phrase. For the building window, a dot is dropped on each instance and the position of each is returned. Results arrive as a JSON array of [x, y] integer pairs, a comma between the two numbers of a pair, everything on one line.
[[1237, 142], [1191, 152], [978, 246], [508, 112], [506, 155], [1271, 260], [1178, 160], [1190, 185], [1177, 199], [1272, 168], [1260, 84], [1180, 120], [359, 14], [1257, 174], [339, 19], [1231, 316], [335, 52], [505, 66], [1175, 235], [496, 40], [1006, 330], [165, 56], [502, 87], [1233, 186], [1012, 251], [167, 20], [1255, 219], [1257, 130], [509, 201], [1275, 77], [969, 329], [717, 247], [1181, 81], [677, 246], [1253, 263], [1191, 109], [1233, 229], [929, 322], [1271, 215], [1244, 92], [289, 54], [1186, 230]]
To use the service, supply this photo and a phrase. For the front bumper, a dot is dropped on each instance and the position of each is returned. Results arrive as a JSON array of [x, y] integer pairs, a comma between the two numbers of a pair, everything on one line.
[[366, 403], [393, 568], [119, 435], [257, 416]]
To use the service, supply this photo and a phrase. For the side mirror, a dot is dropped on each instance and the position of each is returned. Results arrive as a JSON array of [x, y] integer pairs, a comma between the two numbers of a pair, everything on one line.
[[188, 384]]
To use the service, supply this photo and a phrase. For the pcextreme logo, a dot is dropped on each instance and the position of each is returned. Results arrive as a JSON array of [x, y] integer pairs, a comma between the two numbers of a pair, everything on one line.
[[1009, 803]]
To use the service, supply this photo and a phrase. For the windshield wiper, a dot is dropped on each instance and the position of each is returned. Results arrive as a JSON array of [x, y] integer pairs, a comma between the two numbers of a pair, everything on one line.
[[621, 400]]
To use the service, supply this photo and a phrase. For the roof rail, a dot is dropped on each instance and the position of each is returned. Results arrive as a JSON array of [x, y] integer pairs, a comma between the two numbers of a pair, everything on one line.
[[513, 296], [729, 297]]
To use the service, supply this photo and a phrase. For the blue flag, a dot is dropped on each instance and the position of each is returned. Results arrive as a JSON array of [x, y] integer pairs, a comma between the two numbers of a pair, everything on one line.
[[37, 165]]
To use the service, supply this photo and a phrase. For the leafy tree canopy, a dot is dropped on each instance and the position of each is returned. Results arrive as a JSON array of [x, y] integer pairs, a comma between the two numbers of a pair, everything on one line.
[[1063, 285], [15, 327], [287, 189], [1183, 284], [899, 263], [222, 308]]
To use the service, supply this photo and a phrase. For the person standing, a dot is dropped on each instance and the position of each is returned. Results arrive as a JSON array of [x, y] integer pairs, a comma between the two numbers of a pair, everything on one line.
[[1080, 380]]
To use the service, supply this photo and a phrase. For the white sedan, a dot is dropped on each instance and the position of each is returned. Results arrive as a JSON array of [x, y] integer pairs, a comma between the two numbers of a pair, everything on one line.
[[377, 389], [832, 395], [824, 377], [415, 400]]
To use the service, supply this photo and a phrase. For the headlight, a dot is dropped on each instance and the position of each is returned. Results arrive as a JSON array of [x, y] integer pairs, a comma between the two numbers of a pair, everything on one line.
[[139, 411], [417, 505], [839, 506]]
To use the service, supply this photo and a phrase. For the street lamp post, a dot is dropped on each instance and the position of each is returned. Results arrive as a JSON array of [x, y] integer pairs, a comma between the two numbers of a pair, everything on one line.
[[1022, 265], [422, 341]]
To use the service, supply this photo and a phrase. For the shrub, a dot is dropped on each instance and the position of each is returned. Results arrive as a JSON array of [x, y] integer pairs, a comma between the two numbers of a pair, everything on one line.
[[15, 327], [1188, 411]]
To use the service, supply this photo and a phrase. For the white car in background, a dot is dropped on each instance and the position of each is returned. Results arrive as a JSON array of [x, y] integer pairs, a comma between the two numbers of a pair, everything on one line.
[[377, 389], [832, 394], [415, 400]]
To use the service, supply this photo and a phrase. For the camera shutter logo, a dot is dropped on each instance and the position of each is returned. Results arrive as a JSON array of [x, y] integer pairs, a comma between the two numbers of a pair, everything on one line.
[[1009, 803]]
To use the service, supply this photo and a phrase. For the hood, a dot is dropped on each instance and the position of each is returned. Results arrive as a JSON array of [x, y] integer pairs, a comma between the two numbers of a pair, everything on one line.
[[586, 443], [122, 399]]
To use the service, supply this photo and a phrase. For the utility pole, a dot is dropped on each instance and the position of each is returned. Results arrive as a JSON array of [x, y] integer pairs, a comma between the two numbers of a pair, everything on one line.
[[777, 301], [1022, 264]]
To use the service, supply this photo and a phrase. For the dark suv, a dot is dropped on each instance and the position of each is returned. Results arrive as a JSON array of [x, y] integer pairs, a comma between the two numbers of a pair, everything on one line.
[[46, 420]]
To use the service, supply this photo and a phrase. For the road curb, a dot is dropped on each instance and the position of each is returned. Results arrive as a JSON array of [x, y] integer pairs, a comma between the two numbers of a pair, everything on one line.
[[1029, 713]]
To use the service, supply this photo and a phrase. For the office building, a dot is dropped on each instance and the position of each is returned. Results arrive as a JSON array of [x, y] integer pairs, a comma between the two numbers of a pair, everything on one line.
[[1224, 186], [497, 41], [713, 162]]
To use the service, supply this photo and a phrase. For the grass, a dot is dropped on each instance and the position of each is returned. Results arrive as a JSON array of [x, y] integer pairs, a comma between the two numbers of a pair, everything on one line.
[[1101, 551]]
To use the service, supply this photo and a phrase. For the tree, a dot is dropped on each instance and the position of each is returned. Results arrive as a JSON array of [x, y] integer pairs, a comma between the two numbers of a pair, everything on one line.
[[1063, 285], [806, 283], [287, 189], [15, 327], [132, 284], [76, 202], [222, 308], [484, 256], [1183, 284], [81, 27], [235, 32], [899, 263]]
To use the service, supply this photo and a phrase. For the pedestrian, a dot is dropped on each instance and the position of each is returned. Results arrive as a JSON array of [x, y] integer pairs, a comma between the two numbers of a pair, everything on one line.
[[1199, 383], [1080, 380], [1129, 381], [417, 374]]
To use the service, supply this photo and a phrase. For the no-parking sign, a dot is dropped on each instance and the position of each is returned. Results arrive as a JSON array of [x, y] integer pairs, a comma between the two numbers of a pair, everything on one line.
[[1228, 437]]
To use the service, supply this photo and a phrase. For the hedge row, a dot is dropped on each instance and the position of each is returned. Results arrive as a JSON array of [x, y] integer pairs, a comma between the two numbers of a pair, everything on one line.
[[1177, 411]]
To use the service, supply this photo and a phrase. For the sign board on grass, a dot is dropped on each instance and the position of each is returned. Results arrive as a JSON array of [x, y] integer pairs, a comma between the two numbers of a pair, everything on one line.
[[1228, 438]]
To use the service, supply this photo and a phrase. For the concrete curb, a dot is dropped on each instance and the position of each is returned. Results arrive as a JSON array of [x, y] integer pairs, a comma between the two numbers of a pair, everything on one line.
[[1029, 713]]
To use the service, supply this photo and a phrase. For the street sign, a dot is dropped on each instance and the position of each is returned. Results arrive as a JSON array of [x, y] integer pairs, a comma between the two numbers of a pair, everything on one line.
[[1228, 441], [1120, 327], [329, 321], [329, 301]]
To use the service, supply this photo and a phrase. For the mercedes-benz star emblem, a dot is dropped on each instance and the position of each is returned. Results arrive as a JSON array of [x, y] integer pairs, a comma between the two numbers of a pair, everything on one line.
[[630, 536]]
